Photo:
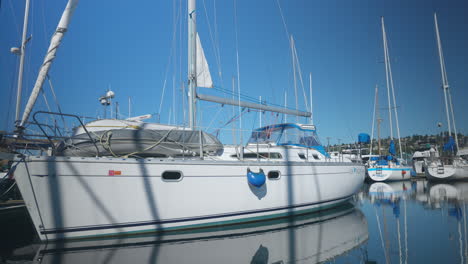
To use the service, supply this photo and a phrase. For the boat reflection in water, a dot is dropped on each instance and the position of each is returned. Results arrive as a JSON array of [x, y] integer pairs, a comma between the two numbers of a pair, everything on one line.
[[391, 191], [455, 193], [310, 238], [392, 195]]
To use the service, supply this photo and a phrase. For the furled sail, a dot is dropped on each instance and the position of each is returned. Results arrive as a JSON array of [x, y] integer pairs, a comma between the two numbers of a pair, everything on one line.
[[203, 71]]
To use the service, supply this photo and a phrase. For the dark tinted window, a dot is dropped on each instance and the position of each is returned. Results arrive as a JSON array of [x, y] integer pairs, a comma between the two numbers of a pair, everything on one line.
[[172, 175], [273, 174]]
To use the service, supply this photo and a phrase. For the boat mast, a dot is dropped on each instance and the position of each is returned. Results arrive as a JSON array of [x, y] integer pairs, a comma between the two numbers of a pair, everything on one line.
[[445, 85], [21, 65], [392, 87], [192, 61], [373, 117], [379, 120], [50, 56], [310, 91], [384, 37]]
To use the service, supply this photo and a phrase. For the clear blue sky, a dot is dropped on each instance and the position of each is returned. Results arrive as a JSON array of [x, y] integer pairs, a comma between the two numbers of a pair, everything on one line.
[[127, 45]]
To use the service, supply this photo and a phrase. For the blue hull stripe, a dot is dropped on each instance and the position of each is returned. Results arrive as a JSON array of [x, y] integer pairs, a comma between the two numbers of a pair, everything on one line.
[[390, 169]]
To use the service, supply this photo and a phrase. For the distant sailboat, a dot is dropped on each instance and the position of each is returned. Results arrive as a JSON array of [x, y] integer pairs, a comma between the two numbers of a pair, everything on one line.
[[388, 167], [283, 170], [452, 167]]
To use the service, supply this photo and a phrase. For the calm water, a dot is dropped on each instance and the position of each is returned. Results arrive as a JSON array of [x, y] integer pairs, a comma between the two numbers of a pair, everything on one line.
[[401, 222]]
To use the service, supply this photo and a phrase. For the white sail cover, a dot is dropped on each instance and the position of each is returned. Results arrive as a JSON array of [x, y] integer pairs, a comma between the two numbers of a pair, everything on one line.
[[203, 71]]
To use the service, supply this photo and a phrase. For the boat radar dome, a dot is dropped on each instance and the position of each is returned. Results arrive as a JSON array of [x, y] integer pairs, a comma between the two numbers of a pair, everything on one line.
[[15, 51], [110, 94]]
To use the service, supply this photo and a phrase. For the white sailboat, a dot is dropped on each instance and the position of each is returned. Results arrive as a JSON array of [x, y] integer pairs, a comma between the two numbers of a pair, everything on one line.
[[72, 197], [388, 168], [453, 167]]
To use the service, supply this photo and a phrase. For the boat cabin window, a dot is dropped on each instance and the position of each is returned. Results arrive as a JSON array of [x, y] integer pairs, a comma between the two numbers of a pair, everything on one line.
[[315, 156], [302, 156], [273, 175], [172, 175]]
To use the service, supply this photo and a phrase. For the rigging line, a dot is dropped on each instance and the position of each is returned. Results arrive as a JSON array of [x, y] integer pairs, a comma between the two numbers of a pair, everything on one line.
[[181, 80], [174, 63], [168, 65], [453, 117], [406, 233], [45, 100], [373, 118], [28, 63], [238, 71], [251, 99], [284, 21], [56, 100], [214, 117], [394, 104], [234, 118], [12, 93], [15, 20], [301, 80], [294, 74], [218, 61], [460, 242], [380, 233], [44, 24], [217, 40], [384, 40], [400, 253]]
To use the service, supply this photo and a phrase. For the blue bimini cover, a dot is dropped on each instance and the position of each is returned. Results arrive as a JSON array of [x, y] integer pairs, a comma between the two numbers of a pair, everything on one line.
[[364, 138]]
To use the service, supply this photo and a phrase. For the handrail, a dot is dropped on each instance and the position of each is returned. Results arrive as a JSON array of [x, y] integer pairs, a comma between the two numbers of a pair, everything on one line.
[[62, 114]]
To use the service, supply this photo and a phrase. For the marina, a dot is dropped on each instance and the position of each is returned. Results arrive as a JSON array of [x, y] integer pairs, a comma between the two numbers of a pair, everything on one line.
[[203, 170]]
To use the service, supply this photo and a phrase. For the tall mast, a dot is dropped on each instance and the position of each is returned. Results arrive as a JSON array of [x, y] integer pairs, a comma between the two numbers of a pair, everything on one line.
[[310, 91], [379, 120], [192, 61], [50, 56], [373, 117], [21, 65], [445, 85], [294, 73], [384, 37], [392, 87]]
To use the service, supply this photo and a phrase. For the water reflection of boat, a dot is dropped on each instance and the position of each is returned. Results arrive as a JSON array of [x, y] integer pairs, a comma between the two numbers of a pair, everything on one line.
[[393, 195], [304, 239], [453, 192], [390, 190]]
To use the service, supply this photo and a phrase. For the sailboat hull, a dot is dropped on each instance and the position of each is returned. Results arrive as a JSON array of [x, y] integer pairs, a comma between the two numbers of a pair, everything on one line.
[[389, 174], [71, 198], [446, 172]]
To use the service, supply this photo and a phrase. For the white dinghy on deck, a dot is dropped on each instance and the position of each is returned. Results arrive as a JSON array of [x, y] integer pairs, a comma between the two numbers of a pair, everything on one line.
[[72, 197]]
